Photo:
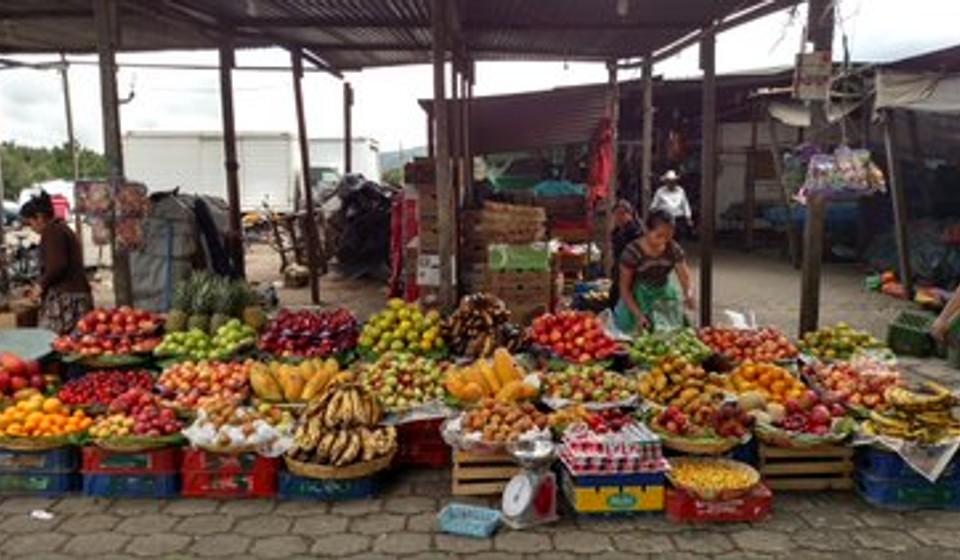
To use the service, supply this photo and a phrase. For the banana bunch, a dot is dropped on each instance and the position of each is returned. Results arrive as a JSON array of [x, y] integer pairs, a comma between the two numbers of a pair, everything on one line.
[[923, 416], [479, 325], [932, 397], [340, 428], [346, 406]]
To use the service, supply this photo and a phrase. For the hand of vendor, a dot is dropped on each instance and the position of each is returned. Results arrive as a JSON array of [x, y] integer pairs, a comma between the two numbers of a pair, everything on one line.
[[690, 302], [33, 293], [938, 330], [643, 324]]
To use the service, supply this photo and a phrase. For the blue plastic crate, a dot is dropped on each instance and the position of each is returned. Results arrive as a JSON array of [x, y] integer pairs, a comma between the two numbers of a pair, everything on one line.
[[900, 495], [63, 460], [43, 484], [469, 521], [131, 486], [884, 464], [294, 487]]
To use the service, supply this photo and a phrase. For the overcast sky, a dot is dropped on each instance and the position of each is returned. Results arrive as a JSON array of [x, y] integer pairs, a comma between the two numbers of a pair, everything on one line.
[[31, 102]]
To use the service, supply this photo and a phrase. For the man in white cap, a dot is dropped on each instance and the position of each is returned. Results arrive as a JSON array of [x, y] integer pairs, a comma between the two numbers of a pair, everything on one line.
[[672, 199]]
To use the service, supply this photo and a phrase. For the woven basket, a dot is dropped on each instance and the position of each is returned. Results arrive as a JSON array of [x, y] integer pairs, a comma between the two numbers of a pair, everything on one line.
[[326, 472], [137, 444], [33, 443], [717, 494], [695, 445], [776, 437]]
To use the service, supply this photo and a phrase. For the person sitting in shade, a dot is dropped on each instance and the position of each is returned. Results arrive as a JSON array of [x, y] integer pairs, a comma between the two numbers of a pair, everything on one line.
[[625, 231], [672, 199]]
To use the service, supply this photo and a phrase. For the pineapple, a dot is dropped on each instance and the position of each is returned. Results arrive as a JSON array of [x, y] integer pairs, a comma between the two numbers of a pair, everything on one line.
[[182, 305], [223, 304], [202, 303], [251, 312]]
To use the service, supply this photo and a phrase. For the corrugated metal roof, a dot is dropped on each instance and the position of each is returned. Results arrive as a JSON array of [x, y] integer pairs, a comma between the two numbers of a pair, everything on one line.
[[352, 34]]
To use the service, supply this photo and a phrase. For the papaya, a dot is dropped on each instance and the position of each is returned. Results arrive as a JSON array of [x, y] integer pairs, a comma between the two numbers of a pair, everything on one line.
[[472, 392], [265, 385], [510, 392], [505, 367], [315, 386], [489, 376], [291, 382]]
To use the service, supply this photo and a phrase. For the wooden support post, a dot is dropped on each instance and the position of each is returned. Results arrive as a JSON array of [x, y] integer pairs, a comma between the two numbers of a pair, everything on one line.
[[646, 165], [71, 144], [348, 130], [900, 215], [431, 135], [614, 100], [105, 16], [708, 167], [230, 164], [446, 223], [813, 234], [750, 183], [820, 22], [313, 237]]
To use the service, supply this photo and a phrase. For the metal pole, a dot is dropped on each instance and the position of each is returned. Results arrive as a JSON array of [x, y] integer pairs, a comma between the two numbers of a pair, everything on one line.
[[455, 140], [899, 202], [750, 181], [231, 166], [4, 276], [708, 184], [468, 121], [304, 141], [614, 99], [646, 166], [72, 143], [105, 17], [348, 130], [445, 195]]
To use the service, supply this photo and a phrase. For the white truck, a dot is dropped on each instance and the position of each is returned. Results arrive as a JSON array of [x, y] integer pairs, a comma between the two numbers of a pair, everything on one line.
[[269, 162]]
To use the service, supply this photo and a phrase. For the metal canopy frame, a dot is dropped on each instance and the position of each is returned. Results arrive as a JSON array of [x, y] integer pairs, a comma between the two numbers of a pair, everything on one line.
[[341, 36]]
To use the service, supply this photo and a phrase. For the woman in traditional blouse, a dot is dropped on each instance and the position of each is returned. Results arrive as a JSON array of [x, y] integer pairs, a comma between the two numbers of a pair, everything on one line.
[[648, 300]]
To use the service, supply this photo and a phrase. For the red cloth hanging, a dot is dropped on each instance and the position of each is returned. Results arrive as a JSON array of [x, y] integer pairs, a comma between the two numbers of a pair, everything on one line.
[[601, 162]]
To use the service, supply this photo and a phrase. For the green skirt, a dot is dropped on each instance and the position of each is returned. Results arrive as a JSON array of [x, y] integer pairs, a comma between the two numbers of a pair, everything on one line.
[[662, 305]]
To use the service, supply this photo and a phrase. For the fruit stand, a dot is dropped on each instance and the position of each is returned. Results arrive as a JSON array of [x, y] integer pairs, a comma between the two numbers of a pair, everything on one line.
[[703, 426]]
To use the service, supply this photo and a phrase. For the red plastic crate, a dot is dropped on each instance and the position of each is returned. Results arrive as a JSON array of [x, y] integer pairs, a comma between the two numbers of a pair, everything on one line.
[[158, 461], [261, 483], [199, 460], [419, 444], [682, 507]]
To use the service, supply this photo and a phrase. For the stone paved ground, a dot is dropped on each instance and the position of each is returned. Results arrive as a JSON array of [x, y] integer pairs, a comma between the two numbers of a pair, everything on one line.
[[401, 524]]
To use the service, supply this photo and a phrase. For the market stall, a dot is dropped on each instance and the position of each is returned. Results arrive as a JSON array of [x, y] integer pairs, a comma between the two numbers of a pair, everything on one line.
[[557, 415]]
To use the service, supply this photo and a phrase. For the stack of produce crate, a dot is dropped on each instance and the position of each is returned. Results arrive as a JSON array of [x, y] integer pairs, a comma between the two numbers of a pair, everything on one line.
[[39, 473], [219, 475], [147, 474], [518, 266]]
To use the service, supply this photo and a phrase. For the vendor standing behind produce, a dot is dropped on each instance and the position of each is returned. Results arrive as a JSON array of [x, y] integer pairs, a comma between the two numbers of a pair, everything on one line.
[[645, 268], [63, 290], [948, 316], [625, 232]]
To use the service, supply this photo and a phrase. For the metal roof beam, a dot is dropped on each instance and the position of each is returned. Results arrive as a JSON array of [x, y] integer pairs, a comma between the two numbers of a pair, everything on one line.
[[377, 23]]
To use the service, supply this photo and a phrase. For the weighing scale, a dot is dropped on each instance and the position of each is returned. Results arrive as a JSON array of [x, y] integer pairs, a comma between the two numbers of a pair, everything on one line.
[[530, 497]]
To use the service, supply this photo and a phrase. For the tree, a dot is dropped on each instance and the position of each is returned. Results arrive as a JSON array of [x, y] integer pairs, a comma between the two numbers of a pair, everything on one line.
[[392, 176], [24, 166]]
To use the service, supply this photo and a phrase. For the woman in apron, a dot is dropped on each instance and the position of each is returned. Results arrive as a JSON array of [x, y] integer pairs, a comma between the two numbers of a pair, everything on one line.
[[63, 290], [648, 298]]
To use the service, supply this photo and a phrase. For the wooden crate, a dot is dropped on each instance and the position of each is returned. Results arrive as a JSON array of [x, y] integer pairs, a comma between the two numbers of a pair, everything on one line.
[[819, 468], [481, 475]]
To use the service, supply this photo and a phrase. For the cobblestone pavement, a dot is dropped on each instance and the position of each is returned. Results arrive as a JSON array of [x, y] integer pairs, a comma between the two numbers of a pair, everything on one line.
[[402, 523]]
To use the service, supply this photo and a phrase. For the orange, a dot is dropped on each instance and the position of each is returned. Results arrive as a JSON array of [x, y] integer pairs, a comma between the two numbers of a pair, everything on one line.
[[51, 405], [86, 423]]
